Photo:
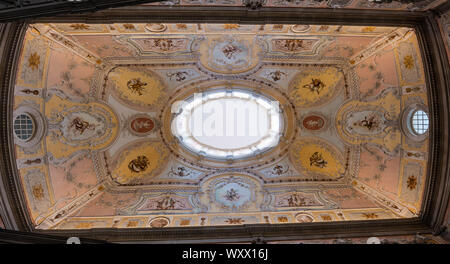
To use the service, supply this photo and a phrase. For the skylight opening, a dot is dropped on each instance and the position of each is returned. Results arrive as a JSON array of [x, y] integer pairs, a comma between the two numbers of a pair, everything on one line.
[[420, 122], [228, 124]]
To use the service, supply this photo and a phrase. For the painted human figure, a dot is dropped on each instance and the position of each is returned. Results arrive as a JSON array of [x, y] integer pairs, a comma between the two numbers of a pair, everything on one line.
[[180, 172], [139, 164], [136, 85], [295, 200], [229, 50], [293, 44], [368, 123], [276, 75], [167, 203], [317, 160], [80, 125], [316, 85]]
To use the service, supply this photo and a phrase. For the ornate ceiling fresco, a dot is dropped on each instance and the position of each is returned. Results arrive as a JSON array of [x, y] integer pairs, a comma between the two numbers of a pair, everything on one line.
[[101, 152]]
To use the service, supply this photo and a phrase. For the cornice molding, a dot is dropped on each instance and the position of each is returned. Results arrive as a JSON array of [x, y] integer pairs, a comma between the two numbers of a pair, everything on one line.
[[437, 70], [14, 213], [242, 15], [49, 8]]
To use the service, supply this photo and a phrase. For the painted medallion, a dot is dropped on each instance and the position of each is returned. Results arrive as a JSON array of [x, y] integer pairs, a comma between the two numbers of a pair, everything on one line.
[[142, 125], [313, 122]]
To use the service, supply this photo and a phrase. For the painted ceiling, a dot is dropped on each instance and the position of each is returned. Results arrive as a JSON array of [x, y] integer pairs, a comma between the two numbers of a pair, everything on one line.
[[347, 4], [103, 155]]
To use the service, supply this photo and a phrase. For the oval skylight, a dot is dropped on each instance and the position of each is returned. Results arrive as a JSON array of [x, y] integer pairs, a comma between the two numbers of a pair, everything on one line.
[[231, 124], [420, 122]]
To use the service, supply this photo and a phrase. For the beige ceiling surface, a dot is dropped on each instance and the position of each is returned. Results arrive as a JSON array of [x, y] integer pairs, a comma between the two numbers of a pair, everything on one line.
[[103, 154]]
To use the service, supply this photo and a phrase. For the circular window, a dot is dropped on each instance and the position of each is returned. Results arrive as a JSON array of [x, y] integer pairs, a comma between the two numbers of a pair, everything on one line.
[[231, 124], [420, 122], [24, 127]]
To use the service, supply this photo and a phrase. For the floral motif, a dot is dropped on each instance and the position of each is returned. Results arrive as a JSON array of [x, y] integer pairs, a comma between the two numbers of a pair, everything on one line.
[[326, 217], [232, 195], [179, 172], [230, 26], [33, 61], [276, 75], [368, 29], [370, 215], [162, 44], [279, 169], [230, 50], [277, 27], [283, 219], [129, 26], [234, 221], [179, 75], [136, 85], [79, 26], [38, 192], [323, 28], [408, 61], [133, 223], [412, 182]]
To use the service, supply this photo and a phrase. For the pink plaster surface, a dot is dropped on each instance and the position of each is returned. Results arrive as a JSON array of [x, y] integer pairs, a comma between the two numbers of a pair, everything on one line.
[[381, 64], [381, 174], [69, 72], [103, 46], [347, 46], [348, 198], [66, 187], [107, 204]]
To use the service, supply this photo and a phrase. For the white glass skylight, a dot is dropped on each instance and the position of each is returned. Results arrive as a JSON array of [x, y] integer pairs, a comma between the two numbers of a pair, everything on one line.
[[227, 124], [420, 122]]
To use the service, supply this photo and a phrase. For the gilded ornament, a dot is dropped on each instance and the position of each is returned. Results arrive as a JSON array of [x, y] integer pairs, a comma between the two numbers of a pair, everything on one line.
[[230, 26], [234, 221], [412, 182], [33, 61], [79, 26], [232, 195], [408, 61], [370, 215], [38, 192], [136, 85]]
